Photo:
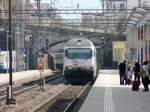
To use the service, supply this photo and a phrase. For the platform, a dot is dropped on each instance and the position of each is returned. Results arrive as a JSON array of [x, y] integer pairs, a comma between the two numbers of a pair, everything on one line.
[[24, 76], [108, 96]]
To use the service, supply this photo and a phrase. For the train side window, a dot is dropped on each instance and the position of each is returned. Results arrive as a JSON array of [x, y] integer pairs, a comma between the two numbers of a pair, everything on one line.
[[66, 52]]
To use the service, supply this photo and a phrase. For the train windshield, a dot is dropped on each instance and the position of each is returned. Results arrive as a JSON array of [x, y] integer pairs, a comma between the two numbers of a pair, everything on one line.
[[1, 59], [78, 53]]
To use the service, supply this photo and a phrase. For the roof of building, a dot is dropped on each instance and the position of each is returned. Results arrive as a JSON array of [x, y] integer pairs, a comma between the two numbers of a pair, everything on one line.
[[79, 42]]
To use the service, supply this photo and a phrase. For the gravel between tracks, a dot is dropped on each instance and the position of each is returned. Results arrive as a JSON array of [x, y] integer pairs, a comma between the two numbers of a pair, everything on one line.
[[29, 99], [62, 101]]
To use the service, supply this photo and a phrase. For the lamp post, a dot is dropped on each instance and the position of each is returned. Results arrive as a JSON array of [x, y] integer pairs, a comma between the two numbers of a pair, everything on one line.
[[27, 38], [7, 52], [10, 99]]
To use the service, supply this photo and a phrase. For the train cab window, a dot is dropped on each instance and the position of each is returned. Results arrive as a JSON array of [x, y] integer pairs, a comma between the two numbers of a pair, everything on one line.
[[79, 53], [1, 59]]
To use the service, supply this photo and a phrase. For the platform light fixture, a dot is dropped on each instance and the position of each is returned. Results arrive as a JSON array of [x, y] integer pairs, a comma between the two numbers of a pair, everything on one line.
[[147, 17], [134, 19], [132, 22], [140, 10], [138, 15]]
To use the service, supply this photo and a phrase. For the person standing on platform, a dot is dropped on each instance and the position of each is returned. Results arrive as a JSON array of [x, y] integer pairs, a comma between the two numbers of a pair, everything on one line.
[[136, 69], [145, 76], [122, 72], [148, 65], [129, 73]]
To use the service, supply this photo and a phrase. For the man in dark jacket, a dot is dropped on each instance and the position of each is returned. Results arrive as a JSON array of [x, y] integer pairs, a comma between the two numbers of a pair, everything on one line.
[[136, 70], [122, 72]]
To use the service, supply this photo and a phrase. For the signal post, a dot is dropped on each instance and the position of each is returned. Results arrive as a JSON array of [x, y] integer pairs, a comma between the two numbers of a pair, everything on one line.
[[41, 69]]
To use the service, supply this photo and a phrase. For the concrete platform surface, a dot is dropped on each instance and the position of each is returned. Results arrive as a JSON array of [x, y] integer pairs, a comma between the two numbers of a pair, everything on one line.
[[108, 96], [24, 76]]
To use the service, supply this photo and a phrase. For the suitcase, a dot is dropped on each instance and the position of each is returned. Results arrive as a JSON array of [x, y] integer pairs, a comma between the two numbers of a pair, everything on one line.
[[135, 85]]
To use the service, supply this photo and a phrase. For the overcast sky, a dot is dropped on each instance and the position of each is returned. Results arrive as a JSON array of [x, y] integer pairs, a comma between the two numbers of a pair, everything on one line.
[[83, 4]]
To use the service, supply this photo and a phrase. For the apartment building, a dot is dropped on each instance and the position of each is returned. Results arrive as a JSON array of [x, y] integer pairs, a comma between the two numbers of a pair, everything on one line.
[[115, 13], [93, 21], [18, 28], [45, 17]]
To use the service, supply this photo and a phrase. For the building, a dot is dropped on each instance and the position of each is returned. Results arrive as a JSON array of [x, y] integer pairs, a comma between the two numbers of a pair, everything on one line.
[[46, 17], [3, 6], [138, 28], [27, 9], [115, 13], [18, 28], [93, 21]]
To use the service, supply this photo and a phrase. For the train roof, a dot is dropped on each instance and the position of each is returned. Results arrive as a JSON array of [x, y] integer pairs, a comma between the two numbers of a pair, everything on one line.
[[79, 42]]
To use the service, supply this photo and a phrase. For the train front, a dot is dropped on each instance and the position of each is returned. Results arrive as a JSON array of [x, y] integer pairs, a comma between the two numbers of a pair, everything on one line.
[[79, 65]]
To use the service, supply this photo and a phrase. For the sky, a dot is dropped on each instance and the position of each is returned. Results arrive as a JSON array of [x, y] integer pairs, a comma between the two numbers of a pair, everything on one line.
[[73, 4], [95, 4]]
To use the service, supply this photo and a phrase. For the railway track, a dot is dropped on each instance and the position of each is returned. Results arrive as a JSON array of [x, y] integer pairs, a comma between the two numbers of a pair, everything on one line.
[[27, 100], [65, 100], [57, 97], [28, 86]]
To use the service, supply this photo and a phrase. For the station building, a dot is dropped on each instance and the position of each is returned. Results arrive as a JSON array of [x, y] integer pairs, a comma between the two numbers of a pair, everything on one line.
[[138, 31]]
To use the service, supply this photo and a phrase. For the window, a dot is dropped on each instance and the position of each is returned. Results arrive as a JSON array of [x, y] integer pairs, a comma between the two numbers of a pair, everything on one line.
[[122, 7], [107, 6], [114, 6], [78, 53], [1, 59]]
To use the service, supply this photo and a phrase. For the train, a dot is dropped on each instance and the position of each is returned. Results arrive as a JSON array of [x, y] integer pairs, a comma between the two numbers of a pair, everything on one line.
[[4, 61], [59, 61], [79, 61]]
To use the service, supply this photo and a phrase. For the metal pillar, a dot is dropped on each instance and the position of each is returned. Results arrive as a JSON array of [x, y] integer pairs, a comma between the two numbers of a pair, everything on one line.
[[137, 46], [17, 47], [144, 43], [132, 46], [27, 62], [27, 39], [148, 34], [140, 44], [7, 53], [10, 99]]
